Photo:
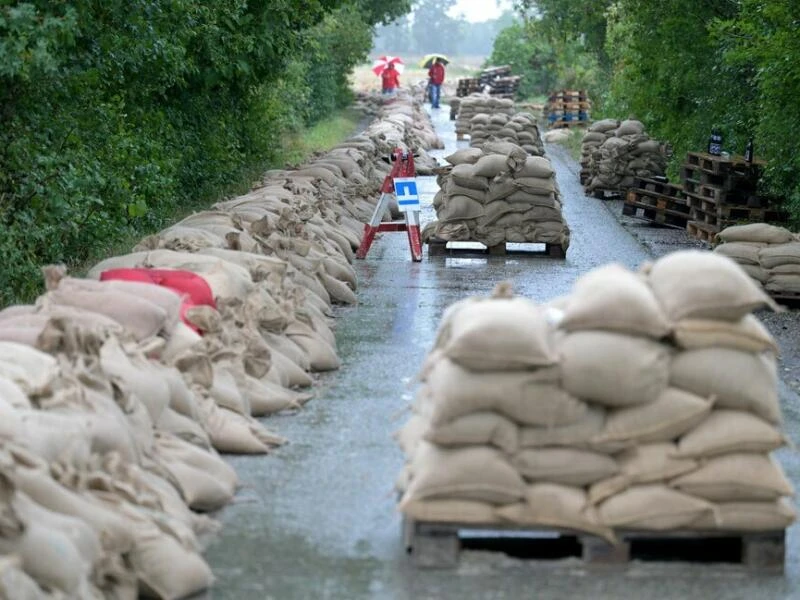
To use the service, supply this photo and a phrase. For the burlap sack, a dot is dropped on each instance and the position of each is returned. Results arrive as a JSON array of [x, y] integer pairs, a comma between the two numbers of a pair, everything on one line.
[[30, 369], [479, 428], [553, 505], [725, 431], [475, 473], [652, 507], [741, 252], [613, 369], [459, 208], [747, 334], [670, 415], [536, 166], [526, 397], [501, 334], [749, 516], [566, 466], [575, 435], [648, 463], [756, 272], [779, 283], [604, 125], [755, 232], [630, 127], [449, 511], [411, 433], [614, 298], [738, 380], [464, 175], [738, 477], [695, 284], [453, 189], [491, 165]]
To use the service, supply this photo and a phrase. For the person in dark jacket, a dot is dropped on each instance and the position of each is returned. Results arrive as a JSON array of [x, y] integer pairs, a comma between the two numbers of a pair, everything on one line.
[[435, 80]]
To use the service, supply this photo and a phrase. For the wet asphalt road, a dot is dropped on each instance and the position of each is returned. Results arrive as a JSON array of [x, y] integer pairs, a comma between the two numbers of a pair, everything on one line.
[[317, 519]]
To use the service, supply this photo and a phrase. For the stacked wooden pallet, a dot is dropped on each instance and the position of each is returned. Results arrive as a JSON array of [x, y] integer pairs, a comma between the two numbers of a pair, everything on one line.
[[568, 108], [657, 202], [467, 86], [722, 191]]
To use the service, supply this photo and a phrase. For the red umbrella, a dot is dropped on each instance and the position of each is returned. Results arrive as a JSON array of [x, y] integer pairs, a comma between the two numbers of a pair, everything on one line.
[[382, 62]]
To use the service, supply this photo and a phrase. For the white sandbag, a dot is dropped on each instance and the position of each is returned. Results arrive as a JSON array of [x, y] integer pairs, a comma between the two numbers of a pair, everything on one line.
[[652, 507], [614, 298], [566, 466], [705, 285], [475, 473], [725, 431], [737, 477], [747, 334], [738, 380], [613, 369]]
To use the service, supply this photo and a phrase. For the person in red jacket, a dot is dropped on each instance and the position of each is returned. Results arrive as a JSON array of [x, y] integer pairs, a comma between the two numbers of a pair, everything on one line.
[[390, 79], [435, 79]]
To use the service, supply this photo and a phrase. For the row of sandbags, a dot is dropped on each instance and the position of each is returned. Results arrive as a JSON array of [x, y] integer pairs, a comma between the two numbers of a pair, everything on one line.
[[640, 401], [498, 194], [615, 153], [120, 390], [471, 105], [519, 128], [768, 253]]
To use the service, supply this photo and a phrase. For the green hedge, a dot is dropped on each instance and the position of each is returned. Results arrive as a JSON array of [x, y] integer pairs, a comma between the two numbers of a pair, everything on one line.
[[116, 116]]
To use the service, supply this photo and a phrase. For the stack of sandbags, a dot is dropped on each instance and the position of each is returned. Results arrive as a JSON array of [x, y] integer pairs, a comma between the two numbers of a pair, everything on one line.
[[498, 194], [484, 104], [638, 402], [768, 253], [119, 390], [518, 128], [614, 157]]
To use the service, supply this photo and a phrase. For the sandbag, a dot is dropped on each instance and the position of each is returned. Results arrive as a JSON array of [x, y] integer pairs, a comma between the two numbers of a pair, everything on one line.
[[500, 334], [755, 232], [695, 284], [741, 252], [566, 466], [449, 511], [475, 473], [725, 431], [738, 380], [613, 369], [553, 505], [670, 415], [613, 298], [747, 334], [478, 428], [737, 477], [652, 507], [575, 435], [748, 516], [524, 397]]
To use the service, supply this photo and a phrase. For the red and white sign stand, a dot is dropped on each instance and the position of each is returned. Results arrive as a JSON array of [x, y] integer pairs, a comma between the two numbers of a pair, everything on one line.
[[401, 183]]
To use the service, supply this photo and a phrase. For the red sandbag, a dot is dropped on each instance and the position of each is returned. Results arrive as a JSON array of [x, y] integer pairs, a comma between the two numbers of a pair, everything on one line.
[[192, 287], [183, 282]]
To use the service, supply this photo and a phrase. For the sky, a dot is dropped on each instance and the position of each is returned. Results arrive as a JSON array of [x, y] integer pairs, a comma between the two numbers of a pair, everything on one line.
[[480, 10]]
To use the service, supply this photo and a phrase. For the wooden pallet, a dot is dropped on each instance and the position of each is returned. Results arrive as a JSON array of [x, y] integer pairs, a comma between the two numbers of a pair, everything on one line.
[[567, 124], [722, 215], [655, 215], [603, 194], [656, 200], [439, 545], [721, 165], [790, 299], [701, 231], [439, 248], [661, 188]]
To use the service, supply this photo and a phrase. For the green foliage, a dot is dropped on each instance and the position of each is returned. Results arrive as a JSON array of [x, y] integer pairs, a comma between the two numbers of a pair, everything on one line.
[[115, 116], [544, 61]]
